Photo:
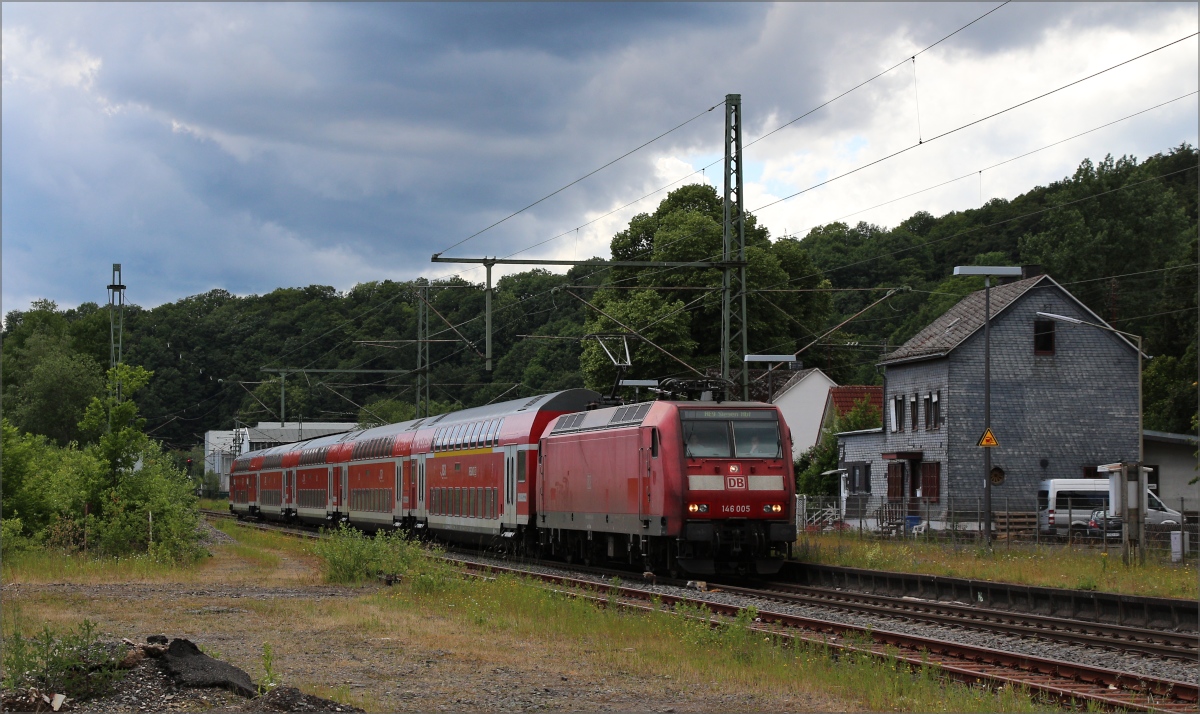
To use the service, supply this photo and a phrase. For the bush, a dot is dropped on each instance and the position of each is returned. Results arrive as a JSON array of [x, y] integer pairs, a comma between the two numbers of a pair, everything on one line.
[[62, 495], [75, 663], [350, 556], [12, 537]]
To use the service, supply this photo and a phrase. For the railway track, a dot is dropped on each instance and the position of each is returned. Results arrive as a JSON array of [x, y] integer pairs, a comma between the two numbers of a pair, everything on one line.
[[1066, 681], [1151, 642]]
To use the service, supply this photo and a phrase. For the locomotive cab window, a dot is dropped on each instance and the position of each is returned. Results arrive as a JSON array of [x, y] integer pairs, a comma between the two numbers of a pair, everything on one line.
[[756, 439], [706, 438]]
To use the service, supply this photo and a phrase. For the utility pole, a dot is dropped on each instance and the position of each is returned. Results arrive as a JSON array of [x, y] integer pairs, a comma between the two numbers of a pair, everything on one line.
[[116, 326], [422, 370], [734, 338]]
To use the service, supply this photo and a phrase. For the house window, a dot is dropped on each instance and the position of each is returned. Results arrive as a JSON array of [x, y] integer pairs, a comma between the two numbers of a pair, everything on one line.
[[935, 405], [859, 477], [897, 408], [927, 405], [912, 410], [1043, 337]]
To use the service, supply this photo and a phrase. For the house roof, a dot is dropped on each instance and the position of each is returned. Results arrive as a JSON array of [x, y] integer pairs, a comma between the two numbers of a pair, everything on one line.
[[958, 323], [797, 378], [844, 398], [1169, 438]]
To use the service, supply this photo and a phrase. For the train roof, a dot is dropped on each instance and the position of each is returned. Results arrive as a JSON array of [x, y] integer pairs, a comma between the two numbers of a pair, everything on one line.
[[568, 400], [635, 414]]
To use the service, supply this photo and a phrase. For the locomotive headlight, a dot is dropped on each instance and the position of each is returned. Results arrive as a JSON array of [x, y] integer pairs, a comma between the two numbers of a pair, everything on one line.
[[772, 508], [697, 508]]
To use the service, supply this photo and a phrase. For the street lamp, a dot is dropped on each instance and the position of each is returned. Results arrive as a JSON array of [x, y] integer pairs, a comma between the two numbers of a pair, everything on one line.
[[1137, 339], [789, 359], [988, 272]]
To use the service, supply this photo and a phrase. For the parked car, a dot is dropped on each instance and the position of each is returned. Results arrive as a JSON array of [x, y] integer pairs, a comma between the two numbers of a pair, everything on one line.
[[1065, 505], [1103, 524]]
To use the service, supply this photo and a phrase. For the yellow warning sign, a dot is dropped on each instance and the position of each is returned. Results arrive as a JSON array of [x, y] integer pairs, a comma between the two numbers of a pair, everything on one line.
[[988, 440]]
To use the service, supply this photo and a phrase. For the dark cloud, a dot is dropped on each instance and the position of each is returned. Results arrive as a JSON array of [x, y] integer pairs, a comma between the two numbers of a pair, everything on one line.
[[253, 146]]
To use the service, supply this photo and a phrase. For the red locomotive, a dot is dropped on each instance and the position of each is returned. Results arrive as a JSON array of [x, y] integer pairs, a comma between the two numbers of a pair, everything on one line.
[[698, 487]]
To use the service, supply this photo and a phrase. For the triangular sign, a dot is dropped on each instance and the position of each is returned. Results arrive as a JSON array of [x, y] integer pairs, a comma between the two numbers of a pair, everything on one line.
[[988, 439]]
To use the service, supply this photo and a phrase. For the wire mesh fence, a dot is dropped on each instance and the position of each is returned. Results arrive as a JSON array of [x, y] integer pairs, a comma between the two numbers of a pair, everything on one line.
[[1169, 535]]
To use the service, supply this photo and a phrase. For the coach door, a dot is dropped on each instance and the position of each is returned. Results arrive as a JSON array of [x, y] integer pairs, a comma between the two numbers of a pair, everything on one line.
[[343, 491], [288, 487], [645, 452], [509, 516], [420, 467]]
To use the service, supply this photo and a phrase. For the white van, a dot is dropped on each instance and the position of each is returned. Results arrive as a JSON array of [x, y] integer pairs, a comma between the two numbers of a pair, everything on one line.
[[1065, 505]]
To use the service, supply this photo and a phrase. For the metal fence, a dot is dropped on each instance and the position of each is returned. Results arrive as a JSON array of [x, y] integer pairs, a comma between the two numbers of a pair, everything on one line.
[[954, 526]]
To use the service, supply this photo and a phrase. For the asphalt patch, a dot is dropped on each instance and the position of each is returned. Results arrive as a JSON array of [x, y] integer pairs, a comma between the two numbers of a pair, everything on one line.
[[190, 667]]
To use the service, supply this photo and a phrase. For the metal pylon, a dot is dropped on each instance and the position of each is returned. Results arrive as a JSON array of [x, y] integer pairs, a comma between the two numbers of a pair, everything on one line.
[[734, 337], [422, 370], [116, 321]]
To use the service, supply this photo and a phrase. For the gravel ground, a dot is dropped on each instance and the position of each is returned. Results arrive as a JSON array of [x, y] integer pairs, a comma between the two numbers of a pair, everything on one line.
[[1178, 670]]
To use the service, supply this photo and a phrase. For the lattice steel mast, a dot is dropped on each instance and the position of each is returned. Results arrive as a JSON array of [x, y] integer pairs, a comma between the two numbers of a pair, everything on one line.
[[734, 337]]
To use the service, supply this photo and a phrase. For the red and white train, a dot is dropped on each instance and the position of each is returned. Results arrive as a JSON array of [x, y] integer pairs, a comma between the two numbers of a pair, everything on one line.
[[699, 487]]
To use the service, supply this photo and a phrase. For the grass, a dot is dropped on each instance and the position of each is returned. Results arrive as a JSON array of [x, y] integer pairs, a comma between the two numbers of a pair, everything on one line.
[[435, 630], [40, 565], [214, 504], [688, 653], [1056, 566]]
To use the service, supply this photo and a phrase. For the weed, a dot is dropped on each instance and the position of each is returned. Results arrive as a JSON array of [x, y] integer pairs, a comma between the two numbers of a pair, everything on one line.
[[74, 663], [270, 678], [350, 556]]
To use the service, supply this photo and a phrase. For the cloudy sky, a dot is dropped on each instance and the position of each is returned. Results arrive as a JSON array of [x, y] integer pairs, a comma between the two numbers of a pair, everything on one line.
[[249, 147]]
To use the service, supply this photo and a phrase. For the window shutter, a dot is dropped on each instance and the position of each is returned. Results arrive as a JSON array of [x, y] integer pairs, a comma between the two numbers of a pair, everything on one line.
[[912, 403], [931, 481], [895, 482]]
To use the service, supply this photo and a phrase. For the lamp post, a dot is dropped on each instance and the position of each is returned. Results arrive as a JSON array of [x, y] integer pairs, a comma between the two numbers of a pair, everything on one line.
[[788, 359], [1137, 340], [988, 272]]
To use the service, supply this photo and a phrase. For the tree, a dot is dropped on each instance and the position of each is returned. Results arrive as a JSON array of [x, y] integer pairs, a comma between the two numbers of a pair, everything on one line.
[[813, 466], [114, 422], [53, 386]]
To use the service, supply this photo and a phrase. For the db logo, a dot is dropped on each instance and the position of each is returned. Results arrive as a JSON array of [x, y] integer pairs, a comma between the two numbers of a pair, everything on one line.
[[735, 483]]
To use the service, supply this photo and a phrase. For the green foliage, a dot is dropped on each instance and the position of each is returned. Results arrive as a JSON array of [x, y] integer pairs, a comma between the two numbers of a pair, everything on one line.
[[48, 384], [201, 347], [391, 411], [74, 663], [270, 678], [62, 495], [350, 556], [114, 422], [823, 456]]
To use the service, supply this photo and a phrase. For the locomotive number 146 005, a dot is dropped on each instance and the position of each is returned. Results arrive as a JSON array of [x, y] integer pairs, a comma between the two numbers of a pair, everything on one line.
[[735, 508]]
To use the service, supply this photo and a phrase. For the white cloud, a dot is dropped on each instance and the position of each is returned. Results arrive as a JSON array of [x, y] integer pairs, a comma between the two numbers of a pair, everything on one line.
[[31, 60]]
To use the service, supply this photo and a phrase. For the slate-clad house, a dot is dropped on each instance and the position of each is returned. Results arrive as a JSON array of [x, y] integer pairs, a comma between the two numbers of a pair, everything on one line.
[[1064, 400]]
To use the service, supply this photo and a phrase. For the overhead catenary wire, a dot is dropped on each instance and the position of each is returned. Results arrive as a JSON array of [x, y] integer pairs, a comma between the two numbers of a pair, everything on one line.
[[702, 169], [1010, 160], [944, 134], [581, 178], [865, 82]]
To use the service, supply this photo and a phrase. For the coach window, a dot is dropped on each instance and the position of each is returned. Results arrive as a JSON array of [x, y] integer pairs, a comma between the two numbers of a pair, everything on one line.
[[522, 457], [477, 434]]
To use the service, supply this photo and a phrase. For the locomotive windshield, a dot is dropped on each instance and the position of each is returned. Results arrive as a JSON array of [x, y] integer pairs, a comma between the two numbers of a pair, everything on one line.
[[726, 433]]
